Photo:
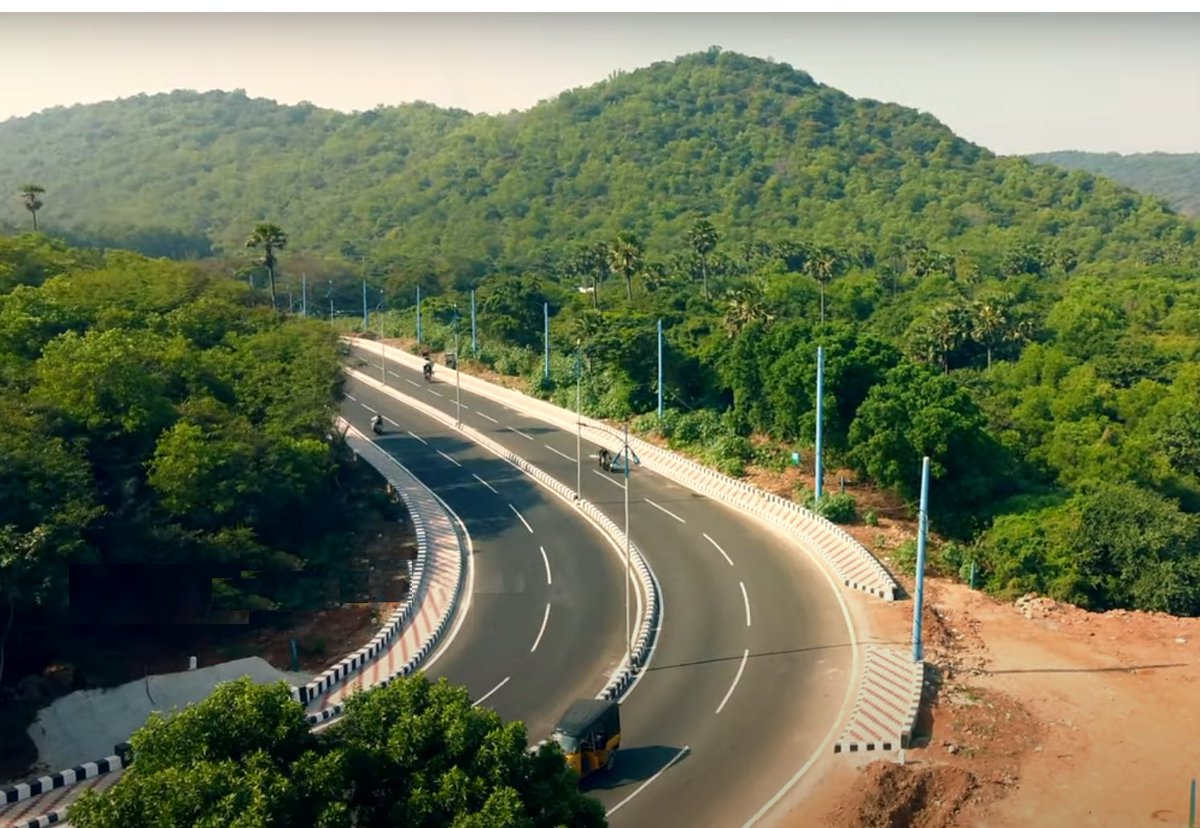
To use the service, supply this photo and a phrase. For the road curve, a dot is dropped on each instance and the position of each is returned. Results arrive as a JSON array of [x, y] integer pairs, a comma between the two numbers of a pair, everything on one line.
[[751, 628], [541, 628]]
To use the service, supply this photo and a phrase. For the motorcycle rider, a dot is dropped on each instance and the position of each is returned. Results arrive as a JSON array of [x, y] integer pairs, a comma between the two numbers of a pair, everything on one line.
[[427, 370], [377, 424]]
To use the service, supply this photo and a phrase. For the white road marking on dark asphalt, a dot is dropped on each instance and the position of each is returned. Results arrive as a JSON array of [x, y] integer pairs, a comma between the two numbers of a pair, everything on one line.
[[546, 560], [394, 374], [484, 482], [522, 433], [390, 420], [410, 382], [736, 679], [351, 398], [448, 457], [485, 696], [642, 787], [523, 520], [609, 479], [719, 549], [538, 640], [372, 410], [436, 394], [486, 417], [745, 598], [665, 511], [559, 453], [410, 434]]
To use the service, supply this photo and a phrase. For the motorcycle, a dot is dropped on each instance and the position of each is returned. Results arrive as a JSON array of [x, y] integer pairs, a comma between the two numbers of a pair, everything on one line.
[[377, 425], [428, 371]]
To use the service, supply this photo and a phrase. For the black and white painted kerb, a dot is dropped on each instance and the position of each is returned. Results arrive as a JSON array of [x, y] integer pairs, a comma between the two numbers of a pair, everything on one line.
[[885, 710], [70, 776]]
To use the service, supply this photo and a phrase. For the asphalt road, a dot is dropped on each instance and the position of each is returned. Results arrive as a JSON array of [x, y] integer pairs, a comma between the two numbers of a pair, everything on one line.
[[541, 628], [753, 663]]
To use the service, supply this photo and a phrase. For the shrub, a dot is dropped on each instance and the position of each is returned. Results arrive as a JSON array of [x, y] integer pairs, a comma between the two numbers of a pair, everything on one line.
[[839, 508]]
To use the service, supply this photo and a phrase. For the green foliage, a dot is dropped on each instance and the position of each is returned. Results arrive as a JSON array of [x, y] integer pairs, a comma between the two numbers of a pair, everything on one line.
[[1174, 177], [410, 753], [839, 507]]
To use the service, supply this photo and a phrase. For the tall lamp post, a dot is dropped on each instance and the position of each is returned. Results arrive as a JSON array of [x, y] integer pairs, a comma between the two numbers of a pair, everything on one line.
[[820, 416], [628, 631], [382, 346], [457, 379], [922, 531], [578, 420]]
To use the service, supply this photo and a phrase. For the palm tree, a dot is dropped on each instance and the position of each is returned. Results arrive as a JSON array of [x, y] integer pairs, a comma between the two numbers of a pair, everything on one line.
[[625, 257], [599, 259], [703, 238], [824, 265], [30, 193], [270, 238], [990, 326], [744, 305]]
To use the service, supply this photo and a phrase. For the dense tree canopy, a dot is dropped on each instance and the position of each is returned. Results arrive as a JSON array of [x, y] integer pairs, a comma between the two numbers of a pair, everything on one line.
[[1174, 177], [411, 753]]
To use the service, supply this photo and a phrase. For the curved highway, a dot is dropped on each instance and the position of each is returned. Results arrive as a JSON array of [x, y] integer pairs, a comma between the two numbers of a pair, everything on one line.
[[754, 660], [540, 628]]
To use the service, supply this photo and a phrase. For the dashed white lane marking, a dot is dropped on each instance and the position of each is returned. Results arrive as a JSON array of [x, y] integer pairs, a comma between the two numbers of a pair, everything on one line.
[[546, 560], [414, 436], [542, 631], [559, 453], [488, 694], [746, 600], [736, 679], [522, 433], [448, 457], [522, 517], [412, 383], [390, 420], [484, 482], [394, 374], [642, 787], [719, 549], [436, 394], [486, 417], [372, 410], [665, 511], [352, 398], [609, 479]]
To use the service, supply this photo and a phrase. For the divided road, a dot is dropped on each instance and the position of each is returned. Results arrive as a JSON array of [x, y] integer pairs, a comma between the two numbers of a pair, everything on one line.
[[753, 665], [539, 628]]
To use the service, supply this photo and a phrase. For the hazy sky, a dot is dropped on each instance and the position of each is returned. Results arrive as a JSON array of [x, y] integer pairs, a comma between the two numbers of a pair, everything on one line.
[[1014, 83]]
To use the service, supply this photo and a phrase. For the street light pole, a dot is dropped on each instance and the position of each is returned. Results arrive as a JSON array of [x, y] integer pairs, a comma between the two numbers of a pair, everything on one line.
[[418, 314], [578, 422], [660, 371], [304, 295], [922, 531], [820, 416], [474, 342], [628, 632], [457, 380], [546, 317]]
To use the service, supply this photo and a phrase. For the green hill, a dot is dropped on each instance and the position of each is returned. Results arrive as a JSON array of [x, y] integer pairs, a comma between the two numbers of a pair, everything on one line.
[[759, 146], [1174, 177]]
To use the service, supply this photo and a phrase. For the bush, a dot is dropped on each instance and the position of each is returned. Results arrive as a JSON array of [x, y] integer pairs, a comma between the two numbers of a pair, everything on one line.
[[771, 456], [839, 508], [648, 423], [696, 427]]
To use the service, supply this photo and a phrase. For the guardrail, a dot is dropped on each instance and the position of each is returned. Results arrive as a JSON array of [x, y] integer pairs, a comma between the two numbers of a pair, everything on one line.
[[646, 631], [849, 560]]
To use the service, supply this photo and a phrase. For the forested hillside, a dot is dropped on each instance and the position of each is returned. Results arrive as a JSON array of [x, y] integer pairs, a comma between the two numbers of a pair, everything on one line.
[[758, 146], [1174, 177], [1035, 331]]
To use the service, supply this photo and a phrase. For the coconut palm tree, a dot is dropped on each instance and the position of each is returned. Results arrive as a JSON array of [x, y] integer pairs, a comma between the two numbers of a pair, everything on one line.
[[270, 238], [703, 238], [824, 265], [625, 257], [30, 193]]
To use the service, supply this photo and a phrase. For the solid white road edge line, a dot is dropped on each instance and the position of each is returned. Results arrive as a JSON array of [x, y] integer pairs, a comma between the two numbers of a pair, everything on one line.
[[609, 479], [410, 434], [522, 517], [542, 631], [736, 679], [642, 787], [448, 457], [559, 453], [664, 511], [486, 417], [546, 560], [522, 433], [746, 599], [851, 688], [488, 694], [719, 549], [484, 482]]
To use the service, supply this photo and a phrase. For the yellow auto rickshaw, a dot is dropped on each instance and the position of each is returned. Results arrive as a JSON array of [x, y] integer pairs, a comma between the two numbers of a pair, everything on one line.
[[589, 735]]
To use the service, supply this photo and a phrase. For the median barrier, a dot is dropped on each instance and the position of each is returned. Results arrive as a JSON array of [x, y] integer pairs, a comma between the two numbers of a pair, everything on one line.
[[645, 634]]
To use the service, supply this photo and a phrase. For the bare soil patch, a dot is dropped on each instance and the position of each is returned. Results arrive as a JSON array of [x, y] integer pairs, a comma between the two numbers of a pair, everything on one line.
[[1043, 714]]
